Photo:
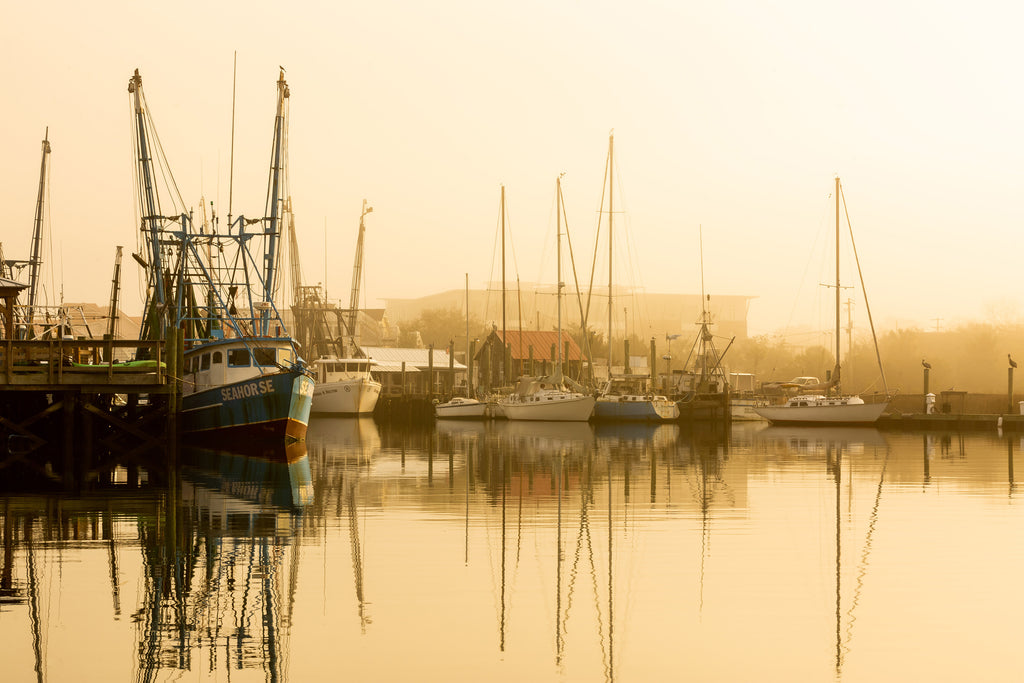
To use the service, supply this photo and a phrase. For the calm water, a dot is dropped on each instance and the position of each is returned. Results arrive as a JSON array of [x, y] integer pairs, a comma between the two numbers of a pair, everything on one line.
[[534, 552]]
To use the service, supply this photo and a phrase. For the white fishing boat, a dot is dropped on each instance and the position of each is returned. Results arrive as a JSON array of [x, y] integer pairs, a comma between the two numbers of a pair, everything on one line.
[[463, 408], [344, 386], [828, 408], [553, 397]]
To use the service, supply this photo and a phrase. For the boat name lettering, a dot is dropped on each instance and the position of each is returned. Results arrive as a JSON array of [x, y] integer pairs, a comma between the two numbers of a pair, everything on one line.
[[259, 388]]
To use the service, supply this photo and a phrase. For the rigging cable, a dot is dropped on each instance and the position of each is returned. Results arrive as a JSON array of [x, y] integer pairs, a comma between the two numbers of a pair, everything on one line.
[[867, 306]]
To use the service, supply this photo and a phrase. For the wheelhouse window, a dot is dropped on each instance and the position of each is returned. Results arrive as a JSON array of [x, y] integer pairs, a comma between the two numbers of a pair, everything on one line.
[[218, 357], [239, 358], [205, 362], [265, 356]]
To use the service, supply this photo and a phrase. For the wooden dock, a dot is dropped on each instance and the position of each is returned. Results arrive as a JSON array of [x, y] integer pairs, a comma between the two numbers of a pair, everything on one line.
[[70, 415], [952, 422]]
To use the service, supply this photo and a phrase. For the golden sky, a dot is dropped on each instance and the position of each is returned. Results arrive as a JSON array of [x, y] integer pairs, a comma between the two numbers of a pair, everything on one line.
[[734, 116]]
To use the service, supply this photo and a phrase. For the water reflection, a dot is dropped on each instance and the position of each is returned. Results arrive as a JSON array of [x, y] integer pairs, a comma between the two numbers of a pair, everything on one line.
[[512, 551], [219, 582]]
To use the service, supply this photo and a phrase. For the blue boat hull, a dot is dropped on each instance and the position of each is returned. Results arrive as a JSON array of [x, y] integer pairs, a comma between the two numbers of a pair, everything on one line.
[[634, 411], [273, 406]]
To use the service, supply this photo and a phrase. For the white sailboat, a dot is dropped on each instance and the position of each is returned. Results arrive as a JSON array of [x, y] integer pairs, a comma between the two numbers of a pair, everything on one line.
[[826, 408], [554, 397], [465, 407], [626, 397]]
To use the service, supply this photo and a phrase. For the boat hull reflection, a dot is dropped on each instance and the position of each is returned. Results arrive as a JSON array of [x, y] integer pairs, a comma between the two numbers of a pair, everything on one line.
[[279, 476]]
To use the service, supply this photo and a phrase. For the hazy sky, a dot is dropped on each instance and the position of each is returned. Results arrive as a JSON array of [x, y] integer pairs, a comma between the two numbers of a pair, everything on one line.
[[731, 115]]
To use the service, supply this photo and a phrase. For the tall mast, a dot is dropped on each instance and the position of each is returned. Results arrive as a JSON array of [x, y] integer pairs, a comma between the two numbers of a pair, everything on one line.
[[274, 198], [836, 371], [151, 218], [558, 282], [502, 373], [611, 243], [357, 277], [37, 233]]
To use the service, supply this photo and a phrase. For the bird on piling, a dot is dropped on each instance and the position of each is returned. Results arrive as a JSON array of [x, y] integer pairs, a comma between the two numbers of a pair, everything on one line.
[[926, 364], [1013, 363]]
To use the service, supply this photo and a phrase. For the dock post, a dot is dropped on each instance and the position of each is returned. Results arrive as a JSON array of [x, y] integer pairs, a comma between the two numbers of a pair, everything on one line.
[[451, 368], [1009, 390], [654, 367], [925, 393], [470, 391], [170, 377], [532, 373], [430, 372], [88, 456], [69, 409]]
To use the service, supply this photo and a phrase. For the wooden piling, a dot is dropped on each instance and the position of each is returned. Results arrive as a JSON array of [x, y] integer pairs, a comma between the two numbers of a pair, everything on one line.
[[925, 392], [1009, 391]]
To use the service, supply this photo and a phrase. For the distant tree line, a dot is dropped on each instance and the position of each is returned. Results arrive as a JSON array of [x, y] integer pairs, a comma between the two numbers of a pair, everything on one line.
[[972, 357]]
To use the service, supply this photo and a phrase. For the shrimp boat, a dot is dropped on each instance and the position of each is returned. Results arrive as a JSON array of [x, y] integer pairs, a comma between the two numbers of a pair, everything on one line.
[[345, 384], [828, 408], [242, 375]]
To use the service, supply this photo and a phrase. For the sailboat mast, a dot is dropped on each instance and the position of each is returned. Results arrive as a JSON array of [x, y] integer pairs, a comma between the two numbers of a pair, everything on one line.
[[836, 371], [37, 233], [558, 281], [501, 374], [611, 242]]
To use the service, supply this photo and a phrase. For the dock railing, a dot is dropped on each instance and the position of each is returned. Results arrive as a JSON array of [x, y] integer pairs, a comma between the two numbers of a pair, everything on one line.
[[79, 361]]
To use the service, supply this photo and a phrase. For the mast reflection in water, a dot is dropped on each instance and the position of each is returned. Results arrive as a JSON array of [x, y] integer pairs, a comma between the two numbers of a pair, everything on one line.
[[543, 552]]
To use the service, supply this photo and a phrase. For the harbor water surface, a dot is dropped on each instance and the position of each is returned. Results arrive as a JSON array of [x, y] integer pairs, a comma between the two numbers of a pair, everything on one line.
[[533, 552]]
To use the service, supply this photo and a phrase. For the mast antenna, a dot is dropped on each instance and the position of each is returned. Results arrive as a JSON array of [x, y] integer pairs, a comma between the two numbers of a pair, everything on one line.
[[231, 172]]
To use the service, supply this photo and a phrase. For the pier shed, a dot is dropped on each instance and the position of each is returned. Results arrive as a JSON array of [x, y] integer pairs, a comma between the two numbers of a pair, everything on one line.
[[9, 291]]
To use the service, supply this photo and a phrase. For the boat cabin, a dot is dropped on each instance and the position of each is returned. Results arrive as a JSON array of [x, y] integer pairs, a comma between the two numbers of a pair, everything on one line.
[[327, 369], [220, 362], [812, 400]]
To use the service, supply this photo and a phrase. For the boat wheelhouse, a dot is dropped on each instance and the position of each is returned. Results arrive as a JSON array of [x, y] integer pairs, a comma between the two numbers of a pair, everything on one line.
[[344, 386]]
